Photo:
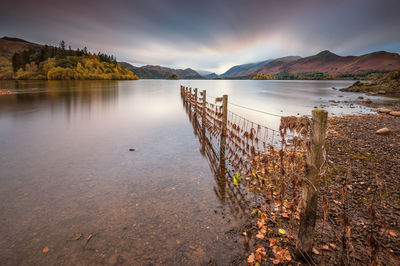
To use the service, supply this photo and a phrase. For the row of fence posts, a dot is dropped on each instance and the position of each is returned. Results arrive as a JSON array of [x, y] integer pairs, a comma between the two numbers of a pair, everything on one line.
[[184, 92], [315, 160]]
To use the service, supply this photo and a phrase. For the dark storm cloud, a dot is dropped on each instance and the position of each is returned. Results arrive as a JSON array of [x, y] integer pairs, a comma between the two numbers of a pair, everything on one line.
[[207, 34]]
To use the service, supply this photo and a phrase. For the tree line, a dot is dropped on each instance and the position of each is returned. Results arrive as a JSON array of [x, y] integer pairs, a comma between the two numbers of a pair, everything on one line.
[[20, 60], [50, 62]]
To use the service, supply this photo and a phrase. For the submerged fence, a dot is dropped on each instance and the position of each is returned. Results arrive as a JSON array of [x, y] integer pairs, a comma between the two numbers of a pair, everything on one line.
[[236, 137], [292, 157]]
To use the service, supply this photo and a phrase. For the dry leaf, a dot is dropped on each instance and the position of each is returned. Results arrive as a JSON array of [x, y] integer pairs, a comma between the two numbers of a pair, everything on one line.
[[392, 234], [272, 241], [315, 251], [281, 231], [332, 245], [337, 202], [45, 250], [260, 236], [251, 258], [325, 247]]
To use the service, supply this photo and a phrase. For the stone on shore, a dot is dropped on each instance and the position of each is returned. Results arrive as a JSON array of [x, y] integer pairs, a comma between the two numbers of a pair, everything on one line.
[[367, 100], [395, 113], [385, 111], [383, 131]]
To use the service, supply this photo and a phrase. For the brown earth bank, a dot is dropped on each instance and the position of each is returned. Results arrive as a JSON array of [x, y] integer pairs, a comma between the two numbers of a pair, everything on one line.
[[361, 186], [388, 84]]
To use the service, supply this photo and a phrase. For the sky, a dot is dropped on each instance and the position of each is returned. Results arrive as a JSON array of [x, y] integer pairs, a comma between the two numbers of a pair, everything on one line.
[[210, 35]]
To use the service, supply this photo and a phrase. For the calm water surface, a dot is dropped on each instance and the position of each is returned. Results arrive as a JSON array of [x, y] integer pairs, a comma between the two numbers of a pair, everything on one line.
[[66, 168]]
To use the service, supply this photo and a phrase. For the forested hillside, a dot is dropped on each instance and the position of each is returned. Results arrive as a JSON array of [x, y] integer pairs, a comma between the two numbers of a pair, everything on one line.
[[56, 63]]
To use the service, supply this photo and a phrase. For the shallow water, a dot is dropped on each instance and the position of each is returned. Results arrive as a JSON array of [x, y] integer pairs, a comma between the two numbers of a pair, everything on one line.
[[66, 168]]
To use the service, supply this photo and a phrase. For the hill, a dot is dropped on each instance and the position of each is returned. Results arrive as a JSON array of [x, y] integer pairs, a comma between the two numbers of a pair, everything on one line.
[[20, 59], [159, 72], [10, 46], [244, 70], [334, 66]]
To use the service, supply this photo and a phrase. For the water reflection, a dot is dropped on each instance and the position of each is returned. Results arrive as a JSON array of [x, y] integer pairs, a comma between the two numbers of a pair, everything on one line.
[[69, 97], [232, 196]]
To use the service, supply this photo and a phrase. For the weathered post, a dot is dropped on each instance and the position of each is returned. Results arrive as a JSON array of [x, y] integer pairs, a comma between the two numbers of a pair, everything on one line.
[[224, 121], [195, 100], [309, 199], [203, 122]]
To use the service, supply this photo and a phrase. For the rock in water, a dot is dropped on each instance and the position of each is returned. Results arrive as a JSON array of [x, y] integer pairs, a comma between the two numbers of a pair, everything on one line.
[[383, 131], [395, 113], [360, 97], [131, 149]]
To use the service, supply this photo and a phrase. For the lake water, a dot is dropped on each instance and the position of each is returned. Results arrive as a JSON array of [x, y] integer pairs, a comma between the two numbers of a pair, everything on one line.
[[66, 168]]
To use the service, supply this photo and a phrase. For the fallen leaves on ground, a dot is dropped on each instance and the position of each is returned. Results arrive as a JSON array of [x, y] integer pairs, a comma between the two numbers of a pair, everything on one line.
[[45, 250], [332, 245], [280, 255], [251, 258], [315, 251], [272, 241], [337, 202], [325, 247]]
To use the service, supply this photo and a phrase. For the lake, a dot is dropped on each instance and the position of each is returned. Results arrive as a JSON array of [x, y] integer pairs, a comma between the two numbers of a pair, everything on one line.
[[66, 168]]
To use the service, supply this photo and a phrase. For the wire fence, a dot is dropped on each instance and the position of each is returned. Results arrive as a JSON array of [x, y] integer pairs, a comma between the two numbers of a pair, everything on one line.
[[243, 139]]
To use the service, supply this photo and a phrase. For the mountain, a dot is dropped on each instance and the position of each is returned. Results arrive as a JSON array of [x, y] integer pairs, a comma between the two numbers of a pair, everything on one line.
[[335, 65], [211, 76], [9, 46], [276, 65], [203, 72], [159, 72], [244, 70]]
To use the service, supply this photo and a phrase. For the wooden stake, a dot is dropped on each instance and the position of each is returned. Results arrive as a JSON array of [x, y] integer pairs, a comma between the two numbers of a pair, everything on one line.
[[309, 199], [195, 98], [223, 133], [203, 122]]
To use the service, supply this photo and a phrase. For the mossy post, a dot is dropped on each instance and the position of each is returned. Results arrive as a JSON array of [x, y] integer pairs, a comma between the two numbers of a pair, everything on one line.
[[309, 199]]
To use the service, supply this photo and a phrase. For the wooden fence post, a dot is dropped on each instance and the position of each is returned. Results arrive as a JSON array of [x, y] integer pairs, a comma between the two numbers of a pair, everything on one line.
[[223, 133], [195, 99], [203, 122], [310, 189]]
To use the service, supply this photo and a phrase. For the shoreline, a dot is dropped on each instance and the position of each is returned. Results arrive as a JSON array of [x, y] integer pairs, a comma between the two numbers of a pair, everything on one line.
[[367, 164]]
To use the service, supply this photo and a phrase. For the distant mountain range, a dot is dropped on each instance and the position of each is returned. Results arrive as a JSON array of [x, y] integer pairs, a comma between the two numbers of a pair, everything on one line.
[[244, 70], [324, 62], [159, 72], [324, 65]]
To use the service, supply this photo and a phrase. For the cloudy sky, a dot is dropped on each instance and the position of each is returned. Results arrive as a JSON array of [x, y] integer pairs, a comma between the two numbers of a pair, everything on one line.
[[209, 34]]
